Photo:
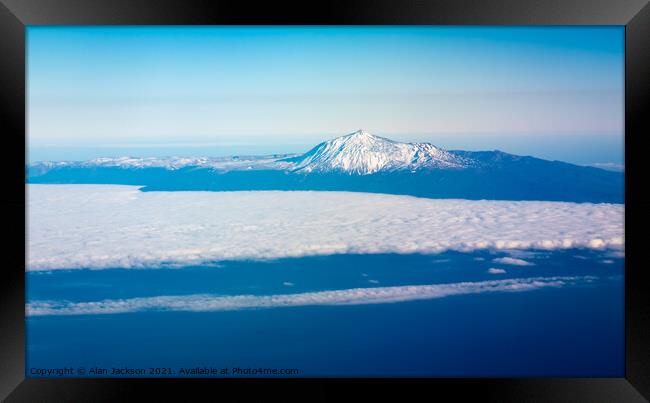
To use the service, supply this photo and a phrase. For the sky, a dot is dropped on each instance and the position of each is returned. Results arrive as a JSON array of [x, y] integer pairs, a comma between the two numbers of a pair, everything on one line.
[[552, 92]]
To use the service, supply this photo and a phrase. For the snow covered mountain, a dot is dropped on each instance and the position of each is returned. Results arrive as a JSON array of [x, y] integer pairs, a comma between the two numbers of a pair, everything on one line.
[[362, 153], [358, 153], [358, 162]]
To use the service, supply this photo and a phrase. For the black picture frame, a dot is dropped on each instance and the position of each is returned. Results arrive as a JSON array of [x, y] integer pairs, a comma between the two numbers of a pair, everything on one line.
[[15, 15]]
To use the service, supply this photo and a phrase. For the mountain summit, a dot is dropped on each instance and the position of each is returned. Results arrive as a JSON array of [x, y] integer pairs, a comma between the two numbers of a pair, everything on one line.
[[363, 153], [358, 162]]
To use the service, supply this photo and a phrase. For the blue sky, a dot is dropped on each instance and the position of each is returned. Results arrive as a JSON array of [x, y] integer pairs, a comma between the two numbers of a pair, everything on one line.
[[159, 90]]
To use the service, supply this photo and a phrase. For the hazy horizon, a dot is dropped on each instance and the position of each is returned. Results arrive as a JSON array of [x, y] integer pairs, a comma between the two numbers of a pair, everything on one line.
[[577, 149], [232, 90]]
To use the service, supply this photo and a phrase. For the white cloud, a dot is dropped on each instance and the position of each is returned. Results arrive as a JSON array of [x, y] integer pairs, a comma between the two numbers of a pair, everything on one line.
[[109, 226], [354, 296], [495, 270], [526, 254], [512, 261]]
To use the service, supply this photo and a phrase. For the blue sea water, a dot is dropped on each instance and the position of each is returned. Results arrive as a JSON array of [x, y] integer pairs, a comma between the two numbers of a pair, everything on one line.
[[576, 330]]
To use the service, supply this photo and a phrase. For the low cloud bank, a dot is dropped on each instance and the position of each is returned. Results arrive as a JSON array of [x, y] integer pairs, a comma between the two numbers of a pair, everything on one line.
[[354, 296], [111, 226]]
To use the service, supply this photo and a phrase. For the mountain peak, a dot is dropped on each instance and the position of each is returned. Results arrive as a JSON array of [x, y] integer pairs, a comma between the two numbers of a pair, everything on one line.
[[363, 153], [360, 133]]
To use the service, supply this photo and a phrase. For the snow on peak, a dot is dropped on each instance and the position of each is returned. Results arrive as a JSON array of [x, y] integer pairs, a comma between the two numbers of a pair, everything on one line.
[[360, 133], [363, 153]]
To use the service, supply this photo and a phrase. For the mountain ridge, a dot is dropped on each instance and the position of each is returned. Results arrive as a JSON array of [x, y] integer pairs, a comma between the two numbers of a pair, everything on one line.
[[357, 162], [359, 153]]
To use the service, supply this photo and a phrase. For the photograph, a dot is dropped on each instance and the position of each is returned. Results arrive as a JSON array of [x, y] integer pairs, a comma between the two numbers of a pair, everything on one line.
[[325, 201]]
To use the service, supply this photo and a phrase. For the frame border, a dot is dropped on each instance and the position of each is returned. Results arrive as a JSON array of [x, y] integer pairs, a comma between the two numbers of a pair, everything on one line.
[[15, 15]]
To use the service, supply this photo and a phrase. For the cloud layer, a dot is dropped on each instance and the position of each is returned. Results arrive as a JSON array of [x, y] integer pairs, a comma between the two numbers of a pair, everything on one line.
[[111, 226], [354, 296]]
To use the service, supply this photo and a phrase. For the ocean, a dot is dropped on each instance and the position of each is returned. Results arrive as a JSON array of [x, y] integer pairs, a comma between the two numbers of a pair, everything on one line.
[[570, 327]]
